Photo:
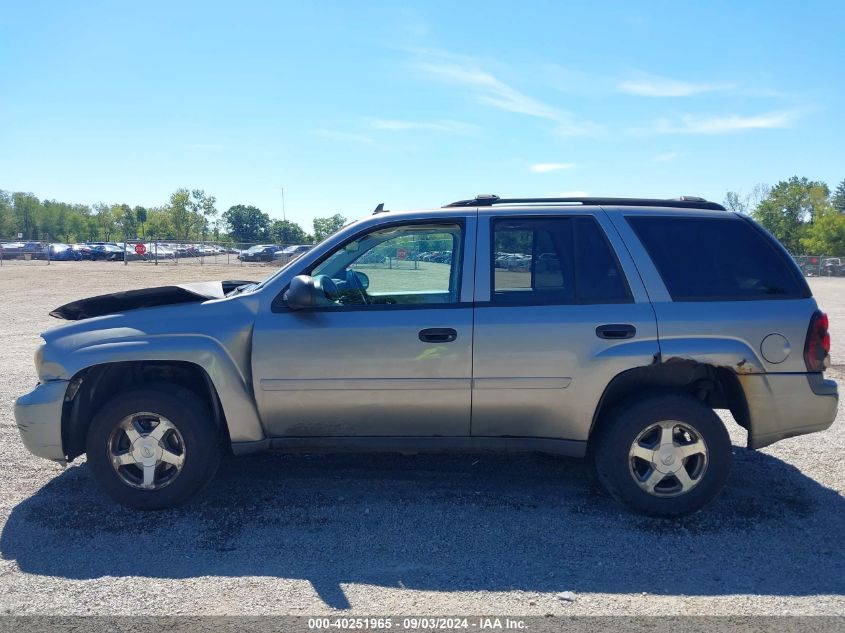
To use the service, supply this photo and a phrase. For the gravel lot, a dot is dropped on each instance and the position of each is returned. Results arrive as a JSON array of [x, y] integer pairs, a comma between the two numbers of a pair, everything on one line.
[[277, 534]]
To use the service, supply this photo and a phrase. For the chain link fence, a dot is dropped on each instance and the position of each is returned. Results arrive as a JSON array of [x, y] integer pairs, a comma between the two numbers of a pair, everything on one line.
[[155, 252], [821, 266], [176, 253]]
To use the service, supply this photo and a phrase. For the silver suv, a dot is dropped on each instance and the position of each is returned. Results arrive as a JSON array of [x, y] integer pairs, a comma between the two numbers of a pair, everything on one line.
[[625, 325]]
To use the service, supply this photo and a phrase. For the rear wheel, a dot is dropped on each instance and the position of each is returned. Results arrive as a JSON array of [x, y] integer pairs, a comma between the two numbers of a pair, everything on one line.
[[153, 447], [663, 455]]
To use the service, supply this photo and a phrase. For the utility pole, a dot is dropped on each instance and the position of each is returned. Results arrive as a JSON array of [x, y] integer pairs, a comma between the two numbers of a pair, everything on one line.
[[284, 215]]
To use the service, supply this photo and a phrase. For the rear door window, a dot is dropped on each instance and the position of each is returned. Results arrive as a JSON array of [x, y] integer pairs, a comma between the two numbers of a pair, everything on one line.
[[541, 261], [717, 259]]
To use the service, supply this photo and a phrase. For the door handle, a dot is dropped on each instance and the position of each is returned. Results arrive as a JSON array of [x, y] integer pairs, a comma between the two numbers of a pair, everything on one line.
[[438, 335], [616, 331]]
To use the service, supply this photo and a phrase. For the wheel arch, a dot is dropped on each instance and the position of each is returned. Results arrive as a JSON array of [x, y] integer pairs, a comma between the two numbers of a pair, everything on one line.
[[716, 386], [92, 387]]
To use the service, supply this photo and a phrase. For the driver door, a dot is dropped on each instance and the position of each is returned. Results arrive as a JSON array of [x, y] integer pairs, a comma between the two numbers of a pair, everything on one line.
[[388, 351]]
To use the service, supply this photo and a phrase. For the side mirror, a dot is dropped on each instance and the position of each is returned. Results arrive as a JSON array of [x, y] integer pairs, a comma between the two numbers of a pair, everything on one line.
[[301, 294]]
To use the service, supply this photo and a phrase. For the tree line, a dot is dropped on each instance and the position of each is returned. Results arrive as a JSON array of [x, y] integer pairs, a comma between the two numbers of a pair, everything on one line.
[[189, 215], [803, 214]]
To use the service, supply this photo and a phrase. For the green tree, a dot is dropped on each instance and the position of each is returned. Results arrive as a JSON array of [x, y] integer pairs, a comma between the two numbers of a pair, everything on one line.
[[105, 221], [141, 218], [27, 209], [183, 218], [158, 224], [788, 206], [246, 224], [190, 212], [838, 198], [287, 232], [78, 226], [736, 202], [8, 226], [323, 227], [203, 206], [826, 235], [126, 221]]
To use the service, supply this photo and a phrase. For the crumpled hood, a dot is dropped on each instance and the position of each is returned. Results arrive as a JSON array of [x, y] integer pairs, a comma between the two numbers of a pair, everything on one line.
[[145, 298]]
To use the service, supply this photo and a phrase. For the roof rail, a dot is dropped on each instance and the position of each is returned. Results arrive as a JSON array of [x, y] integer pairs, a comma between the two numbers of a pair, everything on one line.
[[685, 202]]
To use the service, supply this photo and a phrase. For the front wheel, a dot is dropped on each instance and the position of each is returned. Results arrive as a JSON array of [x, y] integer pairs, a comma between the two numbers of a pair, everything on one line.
[[663, 455], [153, 447]]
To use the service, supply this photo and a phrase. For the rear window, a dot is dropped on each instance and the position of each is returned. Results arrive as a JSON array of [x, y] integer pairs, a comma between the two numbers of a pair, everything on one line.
[[717, 259]]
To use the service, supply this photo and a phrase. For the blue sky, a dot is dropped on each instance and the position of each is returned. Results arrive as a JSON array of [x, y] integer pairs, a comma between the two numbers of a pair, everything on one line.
[[348, 104]]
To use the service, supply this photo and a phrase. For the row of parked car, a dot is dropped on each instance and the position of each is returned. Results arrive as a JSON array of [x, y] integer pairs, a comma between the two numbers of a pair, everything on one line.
[[273, 253], [440, 257], [114, 251], [815, 266]]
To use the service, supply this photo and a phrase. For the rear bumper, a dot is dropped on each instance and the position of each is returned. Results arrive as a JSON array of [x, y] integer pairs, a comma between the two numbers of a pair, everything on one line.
[[39, 418], [786, 405]]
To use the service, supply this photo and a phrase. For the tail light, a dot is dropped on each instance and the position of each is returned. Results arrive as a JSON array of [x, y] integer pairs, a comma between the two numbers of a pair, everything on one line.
[[817, 346]]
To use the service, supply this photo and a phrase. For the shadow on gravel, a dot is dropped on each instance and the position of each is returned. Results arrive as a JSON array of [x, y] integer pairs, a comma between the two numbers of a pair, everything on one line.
[[443, 522]]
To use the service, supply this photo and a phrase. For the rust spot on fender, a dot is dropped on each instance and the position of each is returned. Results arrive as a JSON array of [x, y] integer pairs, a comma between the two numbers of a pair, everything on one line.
[[742, 367]]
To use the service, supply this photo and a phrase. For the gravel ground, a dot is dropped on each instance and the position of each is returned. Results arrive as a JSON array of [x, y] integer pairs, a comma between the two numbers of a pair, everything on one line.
[[444, 534]]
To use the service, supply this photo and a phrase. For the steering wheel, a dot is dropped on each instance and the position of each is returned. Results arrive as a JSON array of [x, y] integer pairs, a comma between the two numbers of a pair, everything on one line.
[[352, 281]]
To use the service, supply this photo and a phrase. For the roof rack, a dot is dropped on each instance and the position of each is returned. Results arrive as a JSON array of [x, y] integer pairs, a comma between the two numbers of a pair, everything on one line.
[[685, 202]]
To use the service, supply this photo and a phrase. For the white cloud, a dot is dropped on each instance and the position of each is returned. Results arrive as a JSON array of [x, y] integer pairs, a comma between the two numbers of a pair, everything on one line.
[[447, 126], [691, 124], [654, 86], [343, 137], [542, 168], [665, 158], [489, 90]]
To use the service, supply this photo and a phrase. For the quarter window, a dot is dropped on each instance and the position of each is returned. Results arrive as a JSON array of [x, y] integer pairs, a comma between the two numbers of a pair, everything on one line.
[[717, 259], [554, 261]]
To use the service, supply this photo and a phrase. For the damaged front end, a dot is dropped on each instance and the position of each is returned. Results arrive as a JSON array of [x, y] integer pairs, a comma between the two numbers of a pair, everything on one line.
[[145, 298]]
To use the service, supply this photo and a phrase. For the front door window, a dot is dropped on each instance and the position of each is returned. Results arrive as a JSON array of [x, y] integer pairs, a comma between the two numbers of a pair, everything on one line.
[[414, 264]]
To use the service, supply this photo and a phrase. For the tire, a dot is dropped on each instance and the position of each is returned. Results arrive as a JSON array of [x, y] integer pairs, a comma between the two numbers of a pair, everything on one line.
[[186, 457], [638, 465]]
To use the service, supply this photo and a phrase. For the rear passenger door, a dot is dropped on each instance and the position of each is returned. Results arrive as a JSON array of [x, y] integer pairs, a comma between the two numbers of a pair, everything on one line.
[[560, 310]]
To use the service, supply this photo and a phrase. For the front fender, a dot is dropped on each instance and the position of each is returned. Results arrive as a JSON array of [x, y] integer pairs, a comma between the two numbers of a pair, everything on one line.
[[233, 386]]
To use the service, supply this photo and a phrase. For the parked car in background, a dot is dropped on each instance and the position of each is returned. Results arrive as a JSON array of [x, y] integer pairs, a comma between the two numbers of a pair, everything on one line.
[[832, 267], [84, 250], [373, 257], [290, 253], [12, 250], [34, 250], [159, 251], [259, 253], [62, 253], [107, 252]]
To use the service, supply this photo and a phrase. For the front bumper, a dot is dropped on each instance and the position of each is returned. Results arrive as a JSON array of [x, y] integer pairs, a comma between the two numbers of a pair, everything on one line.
[[39, 418], [786, 405]]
